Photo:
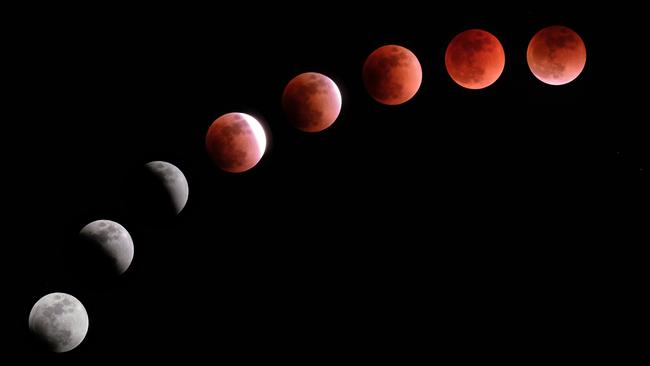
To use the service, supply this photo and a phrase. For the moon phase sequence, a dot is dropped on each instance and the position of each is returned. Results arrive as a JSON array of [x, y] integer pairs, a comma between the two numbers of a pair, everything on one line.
[[236, 142], [59, 321], [556, 55]]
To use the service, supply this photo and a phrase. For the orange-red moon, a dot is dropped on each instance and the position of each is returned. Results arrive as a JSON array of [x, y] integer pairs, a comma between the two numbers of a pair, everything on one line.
[[392, 74], [475, 59], [311, 101], [556, 55], [236, 142]]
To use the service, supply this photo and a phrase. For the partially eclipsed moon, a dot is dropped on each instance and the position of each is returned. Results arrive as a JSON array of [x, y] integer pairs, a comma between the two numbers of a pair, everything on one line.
[[111, 243], [392, 75], [236, 142], [174, 184], [556, 55], [312, 102], [59, 321], [475, 59]]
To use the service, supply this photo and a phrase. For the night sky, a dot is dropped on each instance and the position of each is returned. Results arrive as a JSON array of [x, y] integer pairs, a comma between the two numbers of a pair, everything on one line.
[[463, 223]]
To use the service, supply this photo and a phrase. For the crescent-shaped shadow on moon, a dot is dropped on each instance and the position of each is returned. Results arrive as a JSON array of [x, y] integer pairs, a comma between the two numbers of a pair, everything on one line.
[[156, 193], [106, 249], [174, 184]]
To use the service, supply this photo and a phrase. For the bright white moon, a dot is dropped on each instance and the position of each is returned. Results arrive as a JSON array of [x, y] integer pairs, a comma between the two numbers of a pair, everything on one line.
[[59, 321]]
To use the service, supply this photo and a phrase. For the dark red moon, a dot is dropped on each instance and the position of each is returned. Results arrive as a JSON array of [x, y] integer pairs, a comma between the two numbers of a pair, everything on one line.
[[311, 101], [556, 55], [475, 59], [392, 74], [236, 142]]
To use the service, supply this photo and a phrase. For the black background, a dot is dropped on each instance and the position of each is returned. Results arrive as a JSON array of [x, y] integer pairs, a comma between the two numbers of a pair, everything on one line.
[[491, 223]]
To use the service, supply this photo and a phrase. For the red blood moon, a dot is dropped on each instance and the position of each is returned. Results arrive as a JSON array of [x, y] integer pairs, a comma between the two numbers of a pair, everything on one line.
[[312, 102], [236, 142], [392, 74], [556, 55], [475, 59]]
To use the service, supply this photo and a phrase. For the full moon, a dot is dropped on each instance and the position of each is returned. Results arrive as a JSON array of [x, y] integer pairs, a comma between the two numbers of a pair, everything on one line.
[[556, 55], [110, 244], [392, 75], [475, 59], [59, 321], [312, 102], [174, 184], [236, 142]]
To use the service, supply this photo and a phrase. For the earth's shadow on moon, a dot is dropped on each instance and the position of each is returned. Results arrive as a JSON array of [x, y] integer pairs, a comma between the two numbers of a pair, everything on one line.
[[146, 199], [90, 266]]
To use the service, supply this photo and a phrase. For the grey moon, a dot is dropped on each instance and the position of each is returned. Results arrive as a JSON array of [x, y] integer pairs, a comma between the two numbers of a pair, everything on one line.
[[174, 182], [113, 240], [59, 321]]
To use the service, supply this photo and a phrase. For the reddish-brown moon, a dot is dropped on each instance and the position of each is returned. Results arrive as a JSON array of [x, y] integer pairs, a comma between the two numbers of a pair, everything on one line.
[[475, 59], [392, 74], [236, 142], [556, 55], [312, 102]]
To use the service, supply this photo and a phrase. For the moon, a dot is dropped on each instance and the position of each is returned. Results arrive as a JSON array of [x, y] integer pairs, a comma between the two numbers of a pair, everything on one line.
[[475, 59], [174, 184], [392, 74], [59, 321], [236, 142], [110, 245], [311, 101], [556, 55]]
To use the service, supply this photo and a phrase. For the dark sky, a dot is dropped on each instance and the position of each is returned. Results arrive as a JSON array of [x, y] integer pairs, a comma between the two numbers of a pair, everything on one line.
[[462, 223]]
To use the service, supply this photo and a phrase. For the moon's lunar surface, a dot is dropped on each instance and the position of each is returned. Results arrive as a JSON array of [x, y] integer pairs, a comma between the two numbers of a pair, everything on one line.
[[59, 321], [556, 55], [174, 183], [475, 59], [110, 243], [311, 101], [392, 74], [236, 142]]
